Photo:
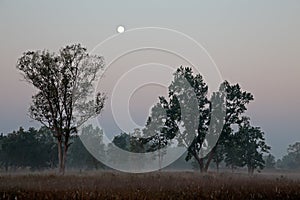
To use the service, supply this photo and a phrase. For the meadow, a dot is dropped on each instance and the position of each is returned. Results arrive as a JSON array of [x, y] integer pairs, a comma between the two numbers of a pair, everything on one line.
[[158, 185]]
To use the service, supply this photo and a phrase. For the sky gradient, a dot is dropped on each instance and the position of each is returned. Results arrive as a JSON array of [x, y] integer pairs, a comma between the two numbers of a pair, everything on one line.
[[254, 43]]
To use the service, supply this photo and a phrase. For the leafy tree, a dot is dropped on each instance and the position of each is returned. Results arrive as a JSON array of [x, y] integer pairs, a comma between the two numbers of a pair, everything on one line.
[[46, 148], [33, 148], [219, 156], [155, 133], [252, 146], [4, 158], [37, 149], [187, 90], [190, 91], [236, 102], [233, 151], [64, 82], [295, 150], [122, 141], [270, 161], [288, 162], [79, 156], [292, 159], [129, 142]]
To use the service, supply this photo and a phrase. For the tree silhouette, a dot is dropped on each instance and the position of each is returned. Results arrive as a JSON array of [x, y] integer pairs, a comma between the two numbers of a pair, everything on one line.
[[246, 147], [34, 149], [195, 126], [292, 159], [64, 81], [236, 102], [270, 162], [80, 156]]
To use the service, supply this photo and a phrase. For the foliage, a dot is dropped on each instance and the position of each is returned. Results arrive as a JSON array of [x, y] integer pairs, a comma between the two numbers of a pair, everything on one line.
[[219, 155], [292, 159], [248, 148], [79, 155], [188, 89], [187, 112], [270, 161], [35, 149], [64, 82]]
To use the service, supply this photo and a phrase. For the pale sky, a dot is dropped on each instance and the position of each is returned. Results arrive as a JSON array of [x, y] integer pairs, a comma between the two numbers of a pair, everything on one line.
[[255, 43]]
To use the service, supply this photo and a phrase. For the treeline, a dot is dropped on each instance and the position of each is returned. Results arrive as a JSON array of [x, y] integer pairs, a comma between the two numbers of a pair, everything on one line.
[[37, 150], [291, 160]]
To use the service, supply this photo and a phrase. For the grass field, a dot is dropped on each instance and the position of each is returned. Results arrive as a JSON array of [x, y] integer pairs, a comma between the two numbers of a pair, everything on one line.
[[159, 185]]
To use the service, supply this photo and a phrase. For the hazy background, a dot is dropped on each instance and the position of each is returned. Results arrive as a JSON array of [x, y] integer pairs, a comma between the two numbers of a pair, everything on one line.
[[255, 43]]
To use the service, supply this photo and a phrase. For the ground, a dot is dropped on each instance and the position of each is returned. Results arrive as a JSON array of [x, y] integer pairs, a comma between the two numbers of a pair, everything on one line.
[[158, 185]]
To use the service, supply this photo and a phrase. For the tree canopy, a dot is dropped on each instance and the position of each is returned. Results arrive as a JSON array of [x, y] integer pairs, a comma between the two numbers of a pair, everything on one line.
[[64, 81]]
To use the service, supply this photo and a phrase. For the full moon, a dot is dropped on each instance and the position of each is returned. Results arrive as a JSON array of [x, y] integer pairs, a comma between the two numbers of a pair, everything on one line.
[[120, 29]]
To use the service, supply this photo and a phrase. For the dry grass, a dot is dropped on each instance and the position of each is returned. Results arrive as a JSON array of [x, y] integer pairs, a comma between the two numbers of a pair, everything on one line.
[[164, 185]]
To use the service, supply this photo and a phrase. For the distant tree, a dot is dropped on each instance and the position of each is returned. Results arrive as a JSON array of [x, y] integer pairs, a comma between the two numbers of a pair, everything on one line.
[[4, 161], [33, 148], [155, 133], [270, 161], [194, 164], [63, 82], [129, 142], [79, 155], [288, 162], [292, 159], [135, 144], [295, 150], [219, 156], [253, 146], [122, 141], [46, 147], [294, 153]]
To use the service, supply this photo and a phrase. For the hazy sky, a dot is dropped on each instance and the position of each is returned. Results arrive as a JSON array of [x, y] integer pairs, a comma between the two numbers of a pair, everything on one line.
[[255, 43]]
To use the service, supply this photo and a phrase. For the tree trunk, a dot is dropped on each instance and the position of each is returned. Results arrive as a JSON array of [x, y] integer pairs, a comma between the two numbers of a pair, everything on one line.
[[62, 153], [210, 157], [201, 167], [250, 171], [60, 156], [6, 166], [200, 162], [63, 167], [217, 163]]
